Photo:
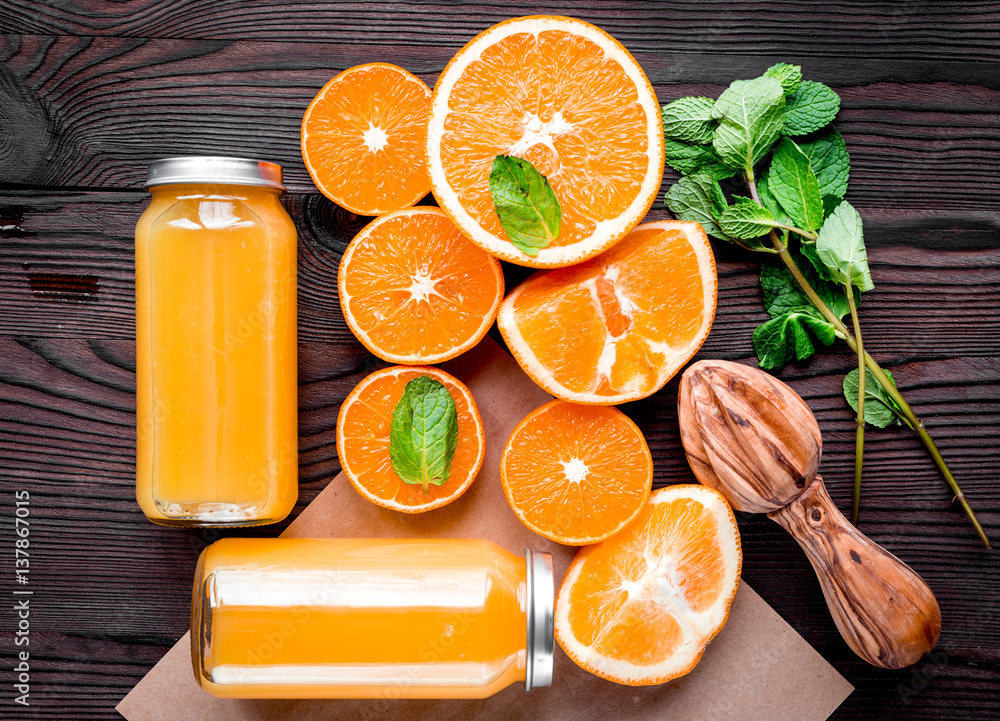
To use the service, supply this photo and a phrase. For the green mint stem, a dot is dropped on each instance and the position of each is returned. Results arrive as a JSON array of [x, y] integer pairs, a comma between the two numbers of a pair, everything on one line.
[[880, 376], [803, 233], [752, 184], [859, 444]]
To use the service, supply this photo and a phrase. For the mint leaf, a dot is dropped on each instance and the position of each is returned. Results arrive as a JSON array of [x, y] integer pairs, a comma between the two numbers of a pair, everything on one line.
[[689, 120], [841, 247], [794, 185], [750, 116], [830, 203], [790, 337], [788, 75], [769, 201], [689, 159], [782, 293], [746, 220], [808, 250], [424, 433], [880, 409], [526, 204], [829, 161], [698, 198], [811, 106]]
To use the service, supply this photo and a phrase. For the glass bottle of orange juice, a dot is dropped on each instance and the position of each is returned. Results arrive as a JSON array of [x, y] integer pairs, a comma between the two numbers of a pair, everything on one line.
[[370, 618], [216, 407]]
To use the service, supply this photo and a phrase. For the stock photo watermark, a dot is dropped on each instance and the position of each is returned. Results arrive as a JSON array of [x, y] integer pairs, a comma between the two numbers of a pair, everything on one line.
[[21, 598]]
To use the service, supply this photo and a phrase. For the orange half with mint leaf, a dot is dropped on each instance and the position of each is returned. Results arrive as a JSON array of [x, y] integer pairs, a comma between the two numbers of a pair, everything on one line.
[[566, 97], [367, 434]]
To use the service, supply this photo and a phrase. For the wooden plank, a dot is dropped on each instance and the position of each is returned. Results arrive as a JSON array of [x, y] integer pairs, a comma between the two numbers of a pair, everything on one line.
[[81, 675], [944, 30], [67, 415], [113, 641], [67, 270], [92, 112]]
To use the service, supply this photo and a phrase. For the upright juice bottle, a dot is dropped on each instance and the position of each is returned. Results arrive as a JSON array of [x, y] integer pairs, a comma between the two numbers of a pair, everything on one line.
[[215, 257], [370, 618]]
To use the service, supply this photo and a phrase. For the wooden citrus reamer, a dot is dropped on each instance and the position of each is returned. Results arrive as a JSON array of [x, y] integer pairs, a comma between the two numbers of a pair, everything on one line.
[[751, 437]]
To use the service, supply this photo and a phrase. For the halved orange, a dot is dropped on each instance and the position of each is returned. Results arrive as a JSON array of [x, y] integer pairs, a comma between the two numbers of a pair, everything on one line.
[[413, 289], [617, 327], [569, 98], [576, 474], [364, 138], [639, 608], [363, 427]]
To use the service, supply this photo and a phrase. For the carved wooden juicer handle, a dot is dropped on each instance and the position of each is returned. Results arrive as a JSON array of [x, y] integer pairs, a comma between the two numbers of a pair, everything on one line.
[[883, 609]]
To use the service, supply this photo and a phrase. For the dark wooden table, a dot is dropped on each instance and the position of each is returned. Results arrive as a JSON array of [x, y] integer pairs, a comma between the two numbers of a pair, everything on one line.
[[90, 91]]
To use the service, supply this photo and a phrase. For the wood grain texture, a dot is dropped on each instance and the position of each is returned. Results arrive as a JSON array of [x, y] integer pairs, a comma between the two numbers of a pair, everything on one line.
[[747, 435], [752, 438], [66, 425], [81, 243], [92, 112], [944, 30], [883, 609], [91, 90]]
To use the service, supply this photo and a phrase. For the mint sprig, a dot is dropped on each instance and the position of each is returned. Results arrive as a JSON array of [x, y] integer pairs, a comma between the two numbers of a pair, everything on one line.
[[527, 206], [424, 433], [774, 132]]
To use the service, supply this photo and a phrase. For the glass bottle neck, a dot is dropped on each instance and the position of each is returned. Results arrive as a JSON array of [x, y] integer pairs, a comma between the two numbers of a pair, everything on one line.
[[225, 190]]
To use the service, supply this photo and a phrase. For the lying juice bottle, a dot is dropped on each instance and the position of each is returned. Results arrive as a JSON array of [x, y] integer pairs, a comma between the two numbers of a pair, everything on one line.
[[216, 405], [371, 618]]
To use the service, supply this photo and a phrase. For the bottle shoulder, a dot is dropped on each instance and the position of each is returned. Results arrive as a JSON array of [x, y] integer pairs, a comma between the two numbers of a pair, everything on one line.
[[188, 208]]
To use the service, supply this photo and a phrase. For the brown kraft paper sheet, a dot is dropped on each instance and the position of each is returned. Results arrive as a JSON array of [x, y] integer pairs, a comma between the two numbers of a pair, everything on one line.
[[757, 668]]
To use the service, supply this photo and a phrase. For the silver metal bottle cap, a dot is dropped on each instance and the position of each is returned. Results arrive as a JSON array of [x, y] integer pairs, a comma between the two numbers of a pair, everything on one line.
[[214, 169], [541, 619]]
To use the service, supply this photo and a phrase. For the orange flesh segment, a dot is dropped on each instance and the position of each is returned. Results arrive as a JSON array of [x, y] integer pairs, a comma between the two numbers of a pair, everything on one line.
[[623, 304], [364, 139], [638, 597], [363, 440], [417, 288], [555, 100], [642, 632], [576, 474]]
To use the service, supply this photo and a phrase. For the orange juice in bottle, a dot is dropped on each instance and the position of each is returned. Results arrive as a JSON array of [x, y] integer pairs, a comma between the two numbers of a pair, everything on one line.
[[216, 382], [370, 618]]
